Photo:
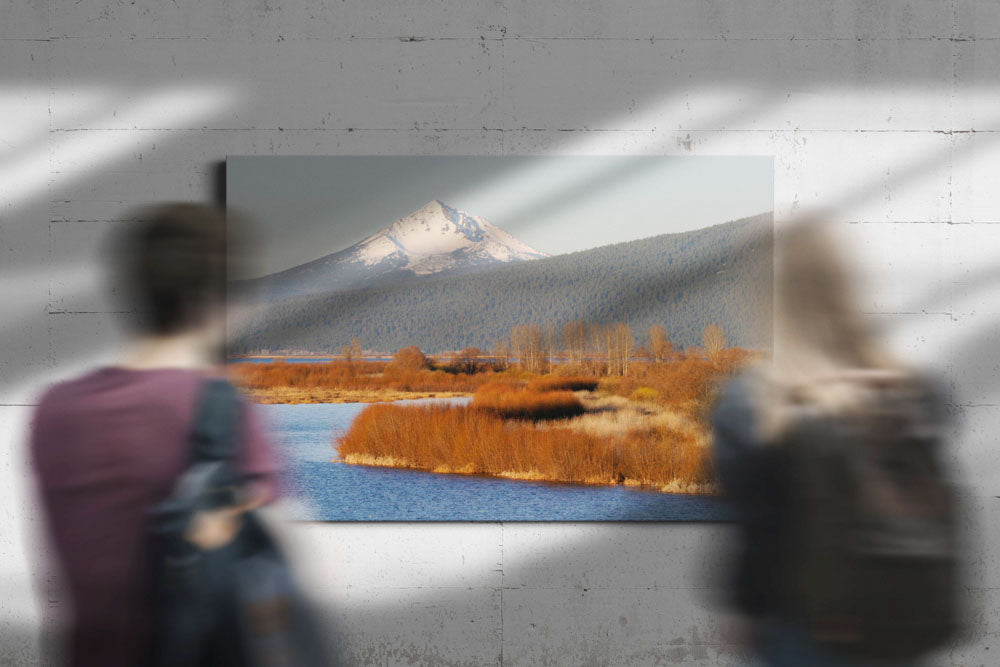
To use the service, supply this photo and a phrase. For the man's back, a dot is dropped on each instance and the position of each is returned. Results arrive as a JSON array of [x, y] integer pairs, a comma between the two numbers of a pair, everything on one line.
[[106, 447]]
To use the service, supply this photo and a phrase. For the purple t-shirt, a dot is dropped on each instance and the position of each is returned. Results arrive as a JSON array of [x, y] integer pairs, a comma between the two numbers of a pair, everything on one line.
[[106, 447]]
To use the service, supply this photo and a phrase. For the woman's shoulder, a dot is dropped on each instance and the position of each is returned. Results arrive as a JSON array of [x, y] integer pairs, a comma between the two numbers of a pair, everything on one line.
[[737, 391], [734, 410]]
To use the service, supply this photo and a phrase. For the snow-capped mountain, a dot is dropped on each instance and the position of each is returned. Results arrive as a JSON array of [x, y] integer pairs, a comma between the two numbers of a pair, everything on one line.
[[438, 237], [435, 239]]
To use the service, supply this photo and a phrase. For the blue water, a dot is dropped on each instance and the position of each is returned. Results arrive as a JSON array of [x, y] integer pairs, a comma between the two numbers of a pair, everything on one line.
[[332, 491], [323, 360], [270, 360]]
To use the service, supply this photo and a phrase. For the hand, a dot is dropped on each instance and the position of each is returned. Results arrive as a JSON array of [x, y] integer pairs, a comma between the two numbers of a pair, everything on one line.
[[211, 529]]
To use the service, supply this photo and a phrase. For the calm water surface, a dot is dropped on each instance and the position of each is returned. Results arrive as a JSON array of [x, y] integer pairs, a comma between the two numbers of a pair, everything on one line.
[[332, 491], [270, 360]]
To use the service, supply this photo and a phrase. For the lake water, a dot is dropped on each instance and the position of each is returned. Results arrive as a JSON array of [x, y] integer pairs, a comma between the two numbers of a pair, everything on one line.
[[332, 491], [291, 360], [325, 360]]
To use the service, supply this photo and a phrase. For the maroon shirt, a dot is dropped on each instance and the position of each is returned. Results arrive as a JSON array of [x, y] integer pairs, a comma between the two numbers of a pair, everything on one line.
[[106, 447]]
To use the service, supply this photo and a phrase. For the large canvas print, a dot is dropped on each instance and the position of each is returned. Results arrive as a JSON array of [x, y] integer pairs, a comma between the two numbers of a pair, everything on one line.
[[500, 338]]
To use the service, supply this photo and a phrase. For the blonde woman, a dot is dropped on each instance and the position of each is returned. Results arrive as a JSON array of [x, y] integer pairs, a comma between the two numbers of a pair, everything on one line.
[[829, 445]]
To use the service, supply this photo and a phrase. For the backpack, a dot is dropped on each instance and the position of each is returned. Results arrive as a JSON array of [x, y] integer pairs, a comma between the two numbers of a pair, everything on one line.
[[872, 567], [238, 604]]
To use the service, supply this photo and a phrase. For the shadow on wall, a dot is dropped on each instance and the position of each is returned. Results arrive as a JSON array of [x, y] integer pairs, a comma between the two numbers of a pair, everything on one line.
[[607, 586], [587, 594], [624, 607]]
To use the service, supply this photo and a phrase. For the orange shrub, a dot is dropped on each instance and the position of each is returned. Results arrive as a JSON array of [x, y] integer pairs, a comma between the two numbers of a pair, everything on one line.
[[355, 375], [685, 384], [409, 358], [512, 402], [461, 439]]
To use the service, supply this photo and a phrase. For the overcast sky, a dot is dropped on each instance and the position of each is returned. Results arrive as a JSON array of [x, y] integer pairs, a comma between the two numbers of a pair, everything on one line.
[[309, 207]]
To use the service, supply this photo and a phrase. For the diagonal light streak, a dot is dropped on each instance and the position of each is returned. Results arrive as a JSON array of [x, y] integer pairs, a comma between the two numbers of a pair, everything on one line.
[[83, 150]]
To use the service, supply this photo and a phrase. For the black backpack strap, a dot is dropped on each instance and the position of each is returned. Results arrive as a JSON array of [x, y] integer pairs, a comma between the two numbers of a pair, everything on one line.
[[187, 583], [214, 442], [216, 427]]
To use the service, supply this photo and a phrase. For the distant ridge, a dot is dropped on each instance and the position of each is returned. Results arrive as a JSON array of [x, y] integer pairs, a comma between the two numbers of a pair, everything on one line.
[[434, 239], [720, 274]]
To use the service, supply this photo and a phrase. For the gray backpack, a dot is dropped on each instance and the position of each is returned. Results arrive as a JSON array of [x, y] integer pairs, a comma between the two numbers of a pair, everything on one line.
[[873, 527], [238, 605]]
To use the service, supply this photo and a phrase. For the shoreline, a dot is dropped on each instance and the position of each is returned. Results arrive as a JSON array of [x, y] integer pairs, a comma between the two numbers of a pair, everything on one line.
[[676, 487], [605, 415], [304, 395], [331, 357]]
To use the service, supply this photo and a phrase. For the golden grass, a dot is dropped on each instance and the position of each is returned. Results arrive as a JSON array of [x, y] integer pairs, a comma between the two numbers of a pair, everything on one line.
[[467, 440], [527, 475], [608, 416], [368, 460]]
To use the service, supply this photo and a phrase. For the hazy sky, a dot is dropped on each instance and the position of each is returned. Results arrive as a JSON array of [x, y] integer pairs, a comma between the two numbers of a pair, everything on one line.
[[309, 207]]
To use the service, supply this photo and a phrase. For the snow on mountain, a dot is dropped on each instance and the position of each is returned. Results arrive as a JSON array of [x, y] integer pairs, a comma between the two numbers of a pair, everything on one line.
[[435, 239]]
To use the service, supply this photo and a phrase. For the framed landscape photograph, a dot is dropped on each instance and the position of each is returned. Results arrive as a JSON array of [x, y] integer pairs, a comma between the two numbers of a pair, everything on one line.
[[499, 338]]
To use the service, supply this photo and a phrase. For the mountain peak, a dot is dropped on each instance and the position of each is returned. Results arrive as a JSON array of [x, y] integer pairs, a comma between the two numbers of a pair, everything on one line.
[[431, 207], [434, 239], [433, 213], [438, 236], [434, 206]]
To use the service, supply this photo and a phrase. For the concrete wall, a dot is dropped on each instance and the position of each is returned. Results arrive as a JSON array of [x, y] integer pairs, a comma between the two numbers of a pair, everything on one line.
[[888, 110]]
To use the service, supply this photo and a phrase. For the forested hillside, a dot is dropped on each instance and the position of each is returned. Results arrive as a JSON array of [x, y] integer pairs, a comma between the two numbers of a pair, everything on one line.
[[720, 274]]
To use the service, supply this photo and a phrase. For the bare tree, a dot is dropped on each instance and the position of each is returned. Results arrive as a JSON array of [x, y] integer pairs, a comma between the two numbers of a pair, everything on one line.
[[352, 350], [624, 345], [528, 343], [608, 340], [598, 347], [550, 345], [468, 360], [515, 346], [713, 339], [536, 347], [501, 352], [575, 339], [660, 346]]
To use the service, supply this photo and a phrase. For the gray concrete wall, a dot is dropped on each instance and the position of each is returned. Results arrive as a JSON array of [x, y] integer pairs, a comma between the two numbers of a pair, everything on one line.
[[887, 110]]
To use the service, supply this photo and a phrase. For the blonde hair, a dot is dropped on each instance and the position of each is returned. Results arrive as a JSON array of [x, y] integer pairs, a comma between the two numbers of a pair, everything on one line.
[[827, 358]]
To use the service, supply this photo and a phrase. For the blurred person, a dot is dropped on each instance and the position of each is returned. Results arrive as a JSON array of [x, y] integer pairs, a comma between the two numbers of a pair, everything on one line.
[[830, 456], [108, 446]]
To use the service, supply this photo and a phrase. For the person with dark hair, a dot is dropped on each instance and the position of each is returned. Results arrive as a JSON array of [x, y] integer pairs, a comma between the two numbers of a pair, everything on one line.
[[108, 446]]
